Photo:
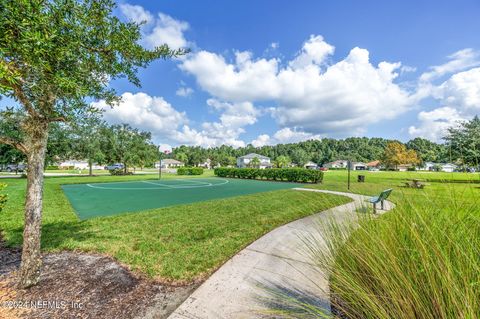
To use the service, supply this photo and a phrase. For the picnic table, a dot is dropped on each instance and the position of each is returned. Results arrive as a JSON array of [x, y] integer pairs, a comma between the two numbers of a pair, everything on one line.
[[415, 183]]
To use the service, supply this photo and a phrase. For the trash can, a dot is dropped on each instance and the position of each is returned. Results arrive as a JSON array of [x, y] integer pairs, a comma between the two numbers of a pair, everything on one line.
[[361, 178]]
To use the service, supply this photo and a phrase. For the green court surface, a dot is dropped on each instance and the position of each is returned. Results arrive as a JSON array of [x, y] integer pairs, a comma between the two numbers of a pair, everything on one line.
[[104, 199]]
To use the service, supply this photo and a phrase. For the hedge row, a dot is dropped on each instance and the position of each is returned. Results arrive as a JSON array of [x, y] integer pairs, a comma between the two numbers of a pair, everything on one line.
[[119, 172], [189, 171], [301, 175]]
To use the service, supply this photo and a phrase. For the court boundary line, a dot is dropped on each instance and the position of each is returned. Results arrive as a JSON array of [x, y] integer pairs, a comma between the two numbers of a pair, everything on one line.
[[162, 186]]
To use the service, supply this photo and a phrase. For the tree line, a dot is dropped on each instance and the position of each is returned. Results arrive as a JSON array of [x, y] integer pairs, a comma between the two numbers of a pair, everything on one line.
[[97, 142], [461, 146], [359, 149], [93, 140]]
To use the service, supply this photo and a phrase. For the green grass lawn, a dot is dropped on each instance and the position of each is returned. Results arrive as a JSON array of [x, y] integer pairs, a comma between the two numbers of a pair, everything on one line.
[[178, 243], [440, 186]]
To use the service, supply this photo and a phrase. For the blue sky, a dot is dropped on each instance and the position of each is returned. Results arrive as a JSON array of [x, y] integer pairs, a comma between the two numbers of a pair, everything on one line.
[[267, 72]]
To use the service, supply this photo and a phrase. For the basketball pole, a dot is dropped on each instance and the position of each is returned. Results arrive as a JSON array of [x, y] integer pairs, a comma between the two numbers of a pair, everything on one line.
[[160, 164]]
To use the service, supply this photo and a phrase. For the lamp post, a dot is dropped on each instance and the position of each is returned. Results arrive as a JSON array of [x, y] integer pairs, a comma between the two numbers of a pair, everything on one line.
[[349, 163]]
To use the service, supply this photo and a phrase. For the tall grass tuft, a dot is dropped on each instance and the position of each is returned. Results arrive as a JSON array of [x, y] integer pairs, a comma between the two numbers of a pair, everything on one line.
[[421, 260]]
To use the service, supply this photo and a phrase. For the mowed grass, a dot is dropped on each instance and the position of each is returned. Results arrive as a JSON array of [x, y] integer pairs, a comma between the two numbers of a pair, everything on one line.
[[439, 186], [180, 243]]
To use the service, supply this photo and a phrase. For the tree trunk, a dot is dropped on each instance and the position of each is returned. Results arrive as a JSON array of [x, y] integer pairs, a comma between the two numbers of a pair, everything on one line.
[[90, 170], [36, 142]]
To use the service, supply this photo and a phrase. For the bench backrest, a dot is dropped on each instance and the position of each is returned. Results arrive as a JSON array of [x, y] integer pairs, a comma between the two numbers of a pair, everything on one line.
[[384, 195]]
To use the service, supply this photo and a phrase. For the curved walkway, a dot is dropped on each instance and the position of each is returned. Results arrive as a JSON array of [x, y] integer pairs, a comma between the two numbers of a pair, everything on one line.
[[277, 260]]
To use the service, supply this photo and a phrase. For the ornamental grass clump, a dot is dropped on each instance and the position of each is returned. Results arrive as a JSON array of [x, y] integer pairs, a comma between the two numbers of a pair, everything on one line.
[[420, 260]]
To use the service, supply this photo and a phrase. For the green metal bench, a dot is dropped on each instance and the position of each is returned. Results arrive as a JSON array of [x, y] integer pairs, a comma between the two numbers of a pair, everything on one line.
[[379, 199]]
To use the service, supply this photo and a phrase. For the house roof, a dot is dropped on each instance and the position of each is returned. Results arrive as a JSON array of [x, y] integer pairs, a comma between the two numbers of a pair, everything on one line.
[[448, 164], [171, 161], [310, 163], [373, 163], [359, 163], [337, 162], [253, 155]]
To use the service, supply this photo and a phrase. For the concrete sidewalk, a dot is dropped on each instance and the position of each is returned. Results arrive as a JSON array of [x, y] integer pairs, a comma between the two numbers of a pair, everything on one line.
[[277, 259]]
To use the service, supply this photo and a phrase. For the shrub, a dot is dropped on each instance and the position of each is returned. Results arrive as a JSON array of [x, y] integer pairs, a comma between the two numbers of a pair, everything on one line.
[[189, 171], [301, 175], [119, 172], [52, 167]]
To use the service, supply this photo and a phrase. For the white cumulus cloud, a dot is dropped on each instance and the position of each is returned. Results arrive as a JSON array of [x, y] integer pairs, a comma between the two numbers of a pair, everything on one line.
[[434, 124], [314, 51], [184, 91], [145, 112], [159, 30], [283, 136], [458, 61], [460, 99], [342, 98]]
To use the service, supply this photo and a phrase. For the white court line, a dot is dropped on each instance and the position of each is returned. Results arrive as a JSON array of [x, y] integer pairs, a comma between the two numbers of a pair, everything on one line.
[[225, 181], [125, 188], [191, 181], [156, 184]]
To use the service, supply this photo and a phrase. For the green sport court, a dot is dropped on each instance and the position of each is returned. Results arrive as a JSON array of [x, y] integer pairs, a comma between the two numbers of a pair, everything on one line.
[[105, 199]]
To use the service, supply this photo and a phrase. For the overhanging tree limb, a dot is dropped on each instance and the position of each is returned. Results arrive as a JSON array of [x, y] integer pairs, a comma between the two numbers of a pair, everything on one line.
[[13, 142]]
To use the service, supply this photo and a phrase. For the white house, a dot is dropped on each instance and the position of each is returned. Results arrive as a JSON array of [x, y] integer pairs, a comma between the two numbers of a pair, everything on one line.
[[427, 166], [358, 166], [207, 164], [336, 164], [448, 167], [244, 161], [311, 165], [444, 167], [78, 164], [169, 163]]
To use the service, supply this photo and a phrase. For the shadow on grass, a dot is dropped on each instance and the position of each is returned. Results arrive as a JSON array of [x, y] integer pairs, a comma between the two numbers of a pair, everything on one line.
[[60, 235], [284, 301]]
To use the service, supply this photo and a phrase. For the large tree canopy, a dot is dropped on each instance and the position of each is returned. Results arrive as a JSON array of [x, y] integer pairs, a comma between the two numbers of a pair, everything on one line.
[[54, 54], [463, 142]]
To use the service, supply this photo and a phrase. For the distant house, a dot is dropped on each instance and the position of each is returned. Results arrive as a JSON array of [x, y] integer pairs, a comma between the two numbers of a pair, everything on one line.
[[444, 167], [373, 164], [170, 163], [448, 167], [77, 164], [358, 166], [207, 164], [311, 165], [336, 164], [244, 161], [404, 167], [428, 166]]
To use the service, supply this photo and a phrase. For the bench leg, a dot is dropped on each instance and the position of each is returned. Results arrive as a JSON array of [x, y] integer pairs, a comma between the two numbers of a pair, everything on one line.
[[374, 208], [382, 204]]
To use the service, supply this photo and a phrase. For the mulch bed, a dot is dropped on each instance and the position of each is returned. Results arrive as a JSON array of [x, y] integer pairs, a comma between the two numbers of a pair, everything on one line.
[[77, 285]]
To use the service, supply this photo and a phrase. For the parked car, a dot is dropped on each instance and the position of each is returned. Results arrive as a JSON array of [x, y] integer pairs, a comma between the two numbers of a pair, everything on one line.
[[114, 166], [14, 168]]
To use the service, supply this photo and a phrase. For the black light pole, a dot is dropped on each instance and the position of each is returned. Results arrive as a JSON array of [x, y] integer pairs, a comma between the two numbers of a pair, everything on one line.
[[348, 182]]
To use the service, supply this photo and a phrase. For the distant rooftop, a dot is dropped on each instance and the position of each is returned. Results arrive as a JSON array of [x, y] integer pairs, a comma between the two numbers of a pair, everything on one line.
[[253, 155]]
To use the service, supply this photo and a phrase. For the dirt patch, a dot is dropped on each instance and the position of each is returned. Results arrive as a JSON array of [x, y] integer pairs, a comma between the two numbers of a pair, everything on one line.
[[74, 285]]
